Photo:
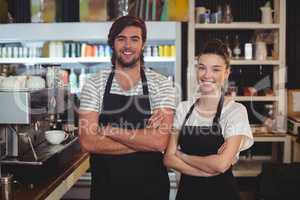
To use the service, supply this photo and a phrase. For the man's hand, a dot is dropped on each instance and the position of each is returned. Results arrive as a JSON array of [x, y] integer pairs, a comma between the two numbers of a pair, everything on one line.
[[114, 133]]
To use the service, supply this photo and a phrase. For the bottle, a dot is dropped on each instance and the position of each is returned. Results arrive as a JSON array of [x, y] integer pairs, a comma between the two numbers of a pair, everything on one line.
[[161, 50], [107, 51], [73, 82], [148, 52], [82, 78], [227, 14], [167, 50], [4, 52], [155, 52], [237, 49], [248, 51], [173, 51], [101, 51], [83, 49], [66, 50], [65, 77], [280, 123], [219, 14], [52, 50], [73, 50], [269, 116], [227, 43]]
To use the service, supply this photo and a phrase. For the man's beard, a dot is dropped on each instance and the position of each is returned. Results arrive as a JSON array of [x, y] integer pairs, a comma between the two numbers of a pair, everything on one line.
[[130, 64]]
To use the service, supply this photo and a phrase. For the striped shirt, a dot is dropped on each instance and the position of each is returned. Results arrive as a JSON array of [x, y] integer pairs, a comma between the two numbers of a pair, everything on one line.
[[161, 91]]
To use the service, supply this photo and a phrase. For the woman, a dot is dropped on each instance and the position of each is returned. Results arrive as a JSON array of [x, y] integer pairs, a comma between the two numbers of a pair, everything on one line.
[[211, 132]]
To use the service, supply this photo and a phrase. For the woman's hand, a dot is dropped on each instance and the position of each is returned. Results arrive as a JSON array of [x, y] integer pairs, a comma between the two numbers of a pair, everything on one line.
[[222, 148]]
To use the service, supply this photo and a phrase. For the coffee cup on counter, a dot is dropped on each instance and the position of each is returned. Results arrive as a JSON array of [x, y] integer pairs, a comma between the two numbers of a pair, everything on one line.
[[56, 136]]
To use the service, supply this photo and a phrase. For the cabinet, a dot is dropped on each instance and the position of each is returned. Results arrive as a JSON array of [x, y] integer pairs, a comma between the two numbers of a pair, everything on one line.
[[245, 26], [158, 33]]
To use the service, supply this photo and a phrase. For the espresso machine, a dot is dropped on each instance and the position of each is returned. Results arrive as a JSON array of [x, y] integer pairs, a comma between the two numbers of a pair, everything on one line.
[[25, 116]]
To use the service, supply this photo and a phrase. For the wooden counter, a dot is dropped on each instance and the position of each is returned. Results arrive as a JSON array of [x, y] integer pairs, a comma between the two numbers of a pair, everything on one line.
[[295, 148], [55, 187], [252, 167]]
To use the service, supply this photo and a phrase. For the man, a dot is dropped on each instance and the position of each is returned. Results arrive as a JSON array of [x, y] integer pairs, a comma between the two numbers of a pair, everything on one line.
[[125, 117]]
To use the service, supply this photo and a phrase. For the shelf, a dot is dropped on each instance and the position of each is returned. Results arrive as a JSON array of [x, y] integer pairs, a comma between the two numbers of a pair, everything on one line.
[[242, 61], [76, 31], [237, 25], [74, 60], [271, 137], [269, 61], [159, 59], [255, 98]]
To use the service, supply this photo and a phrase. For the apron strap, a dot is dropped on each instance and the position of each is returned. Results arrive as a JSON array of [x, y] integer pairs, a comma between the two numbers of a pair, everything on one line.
[[188, 115], [144, 82], [219, 109], [109, 81]]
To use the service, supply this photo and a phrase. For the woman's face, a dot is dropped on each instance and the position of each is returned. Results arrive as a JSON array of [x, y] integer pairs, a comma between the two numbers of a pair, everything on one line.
[[211, 73]]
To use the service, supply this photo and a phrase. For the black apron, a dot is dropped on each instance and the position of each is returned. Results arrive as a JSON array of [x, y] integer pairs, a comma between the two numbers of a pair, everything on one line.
[[203, 141], [134, 176]]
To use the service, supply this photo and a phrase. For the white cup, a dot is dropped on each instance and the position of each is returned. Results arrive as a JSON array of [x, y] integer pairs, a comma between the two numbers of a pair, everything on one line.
[[56, 136]]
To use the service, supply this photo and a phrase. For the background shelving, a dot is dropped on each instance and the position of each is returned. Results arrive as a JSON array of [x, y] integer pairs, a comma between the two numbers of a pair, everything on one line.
[[237, 25], [245, 73], [92, 32], [56, 60]]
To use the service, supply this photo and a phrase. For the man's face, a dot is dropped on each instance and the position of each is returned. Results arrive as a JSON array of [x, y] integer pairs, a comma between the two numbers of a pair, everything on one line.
[[128, 46]]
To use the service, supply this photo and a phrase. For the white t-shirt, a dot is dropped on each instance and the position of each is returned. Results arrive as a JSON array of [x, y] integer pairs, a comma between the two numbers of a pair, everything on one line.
[[233, 120], [161, 91]]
